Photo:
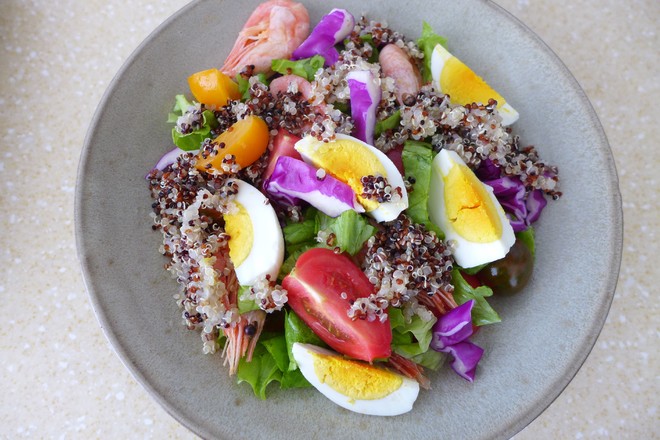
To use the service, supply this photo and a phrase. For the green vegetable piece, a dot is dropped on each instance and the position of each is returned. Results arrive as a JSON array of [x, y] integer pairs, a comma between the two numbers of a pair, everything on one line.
[[410, 338], [244, 84], [417, 158], [301, 232], [294, 379], [246, 304], [190, 141], [528, 239], [259, 372], [295, 330], [369, 39], [343, 107], [389, 123], [427, 43], [482, 313], [305, 68], [430, 359], [276, 346], [350, 228]]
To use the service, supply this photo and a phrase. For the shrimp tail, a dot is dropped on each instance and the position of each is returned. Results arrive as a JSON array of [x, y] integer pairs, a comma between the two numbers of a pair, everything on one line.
[[409, 369], [242, 337], [439, 303], [274, 30]]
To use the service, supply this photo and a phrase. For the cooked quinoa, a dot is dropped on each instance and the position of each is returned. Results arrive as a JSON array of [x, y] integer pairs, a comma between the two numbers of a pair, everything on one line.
[[409, 266]]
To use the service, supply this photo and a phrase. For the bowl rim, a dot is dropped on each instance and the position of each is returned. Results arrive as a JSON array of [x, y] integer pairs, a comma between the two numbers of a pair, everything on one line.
[[532, 411]]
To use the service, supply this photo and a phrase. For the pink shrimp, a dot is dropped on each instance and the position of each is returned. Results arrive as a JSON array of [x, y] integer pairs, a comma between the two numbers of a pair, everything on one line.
[[281, 85], [396, 64], [242, 336], [274, 30]]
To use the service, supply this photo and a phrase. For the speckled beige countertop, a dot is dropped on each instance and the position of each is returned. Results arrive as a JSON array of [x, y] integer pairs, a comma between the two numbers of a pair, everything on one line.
[[59, 377]]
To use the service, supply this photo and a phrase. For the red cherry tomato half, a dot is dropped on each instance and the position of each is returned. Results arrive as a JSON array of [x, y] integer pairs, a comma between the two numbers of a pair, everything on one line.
[[315, 288], [283, 144]]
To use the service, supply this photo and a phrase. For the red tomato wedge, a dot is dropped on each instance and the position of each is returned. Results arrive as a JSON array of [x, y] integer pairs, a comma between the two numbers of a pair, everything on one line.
[[315, 288], [282, 146]]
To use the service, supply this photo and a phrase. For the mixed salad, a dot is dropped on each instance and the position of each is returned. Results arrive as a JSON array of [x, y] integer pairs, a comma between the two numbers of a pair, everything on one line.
[[339, 205]]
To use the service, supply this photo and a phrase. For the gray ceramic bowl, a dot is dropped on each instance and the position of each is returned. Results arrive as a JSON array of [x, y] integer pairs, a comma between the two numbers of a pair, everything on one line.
[[546, 333]]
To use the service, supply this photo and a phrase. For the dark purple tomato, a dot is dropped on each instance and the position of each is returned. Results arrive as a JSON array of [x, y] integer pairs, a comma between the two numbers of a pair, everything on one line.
[[510, 274]]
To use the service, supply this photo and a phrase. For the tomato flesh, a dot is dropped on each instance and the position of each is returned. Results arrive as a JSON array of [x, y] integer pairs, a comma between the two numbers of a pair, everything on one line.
[[283, 144], [315, 288]]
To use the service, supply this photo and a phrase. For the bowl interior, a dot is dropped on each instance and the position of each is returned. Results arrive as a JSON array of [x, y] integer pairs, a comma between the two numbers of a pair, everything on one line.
[[546, 333]]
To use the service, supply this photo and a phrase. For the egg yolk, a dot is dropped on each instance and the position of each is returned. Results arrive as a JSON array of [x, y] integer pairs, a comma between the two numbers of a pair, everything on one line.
[[239, 227], [469, 207], [354, 379], [349, 161], [464, 86]]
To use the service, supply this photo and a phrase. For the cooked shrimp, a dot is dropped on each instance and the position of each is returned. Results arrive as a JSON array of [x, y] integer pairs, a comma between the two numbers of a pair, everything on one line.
[[409, 369], [242, 337], [439, 303], [396, 64], [274, 30], [282, 84]]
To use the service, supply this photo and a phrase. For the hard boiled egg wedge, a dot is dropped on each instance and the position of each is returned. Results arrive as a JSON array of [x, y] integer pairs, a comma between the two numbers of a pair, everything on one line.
[[467, 212], [452, 77], [354, 385], [256, 246], [349, 160]]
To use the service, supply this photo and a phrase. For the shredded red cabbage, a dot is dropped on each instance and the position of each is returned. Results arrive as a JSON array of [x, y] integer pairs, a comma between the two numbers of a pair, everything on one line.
[[466, 357], [293, 181], [451, 335], [453, 327], [523, 208], [332, 29], [169, 158], [365, 97]]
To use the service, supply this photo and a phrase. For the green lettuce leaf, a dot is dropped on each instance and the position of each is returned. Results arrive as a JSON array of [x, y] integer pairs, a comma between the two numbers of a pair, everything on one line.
[[430, 359], [369, 39], [270, 363], [389, 123], [244, 84], [343, 107], [417, 158], [427, 43], [409, 338], [301, 232], [190, 141], [276, 346], [293, 379], [259, 372], [305, 68], [412, 339], [246, 304], [350, 228], [295, 330], [482, 313]]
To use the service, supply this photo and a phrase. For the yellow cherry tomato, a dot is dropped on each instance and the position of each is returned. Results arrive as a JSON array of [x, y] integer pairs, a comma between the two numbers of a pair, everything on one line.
[[246, 140], [213, 88]]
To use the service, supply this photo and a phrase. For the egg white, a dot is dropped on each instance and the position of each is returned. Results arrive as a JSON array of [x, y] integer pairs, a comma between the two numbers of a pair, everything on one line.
[[466, 253], [398, 402], [439, 58], [267, 252], [385, 211]]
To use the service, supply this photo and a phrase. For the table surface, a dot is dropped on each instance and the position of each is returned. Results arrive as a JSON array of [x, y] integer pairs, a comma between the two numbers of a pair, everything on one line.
[[59, 374]]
